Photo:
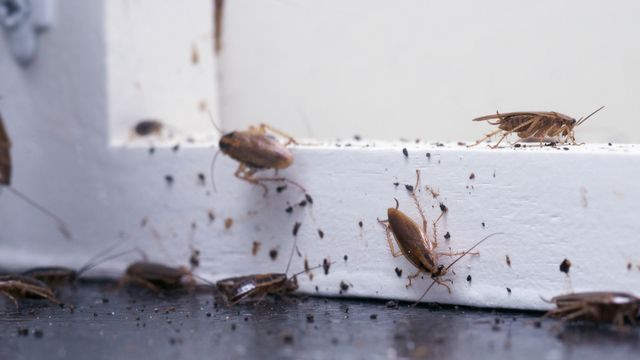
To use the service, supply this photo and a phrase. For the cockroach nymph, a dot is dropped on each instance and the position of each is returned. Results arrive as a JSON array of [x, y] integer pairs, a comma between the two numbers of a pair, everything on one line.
[[598, 306], [537, 125], [416, 246]]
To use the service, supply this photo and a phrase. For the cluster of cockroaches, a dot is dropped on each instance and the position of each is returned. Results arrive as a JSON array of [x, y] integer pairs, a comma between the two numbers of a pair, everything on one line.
[[256, 149]]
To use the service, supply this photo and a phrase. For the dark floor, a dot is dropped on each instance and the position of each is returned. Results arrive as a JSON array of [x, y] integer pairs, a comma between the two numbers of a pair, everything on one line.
[[135, 324]]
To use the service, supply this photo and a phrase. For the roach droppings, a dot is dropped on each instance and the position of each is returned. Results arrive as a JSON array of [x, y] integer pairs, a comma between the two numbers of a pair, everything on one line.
[[399, 272], [565, 148], [296, 227], [211, 216], [483, 224], [168, 179], [360, 224], [443, 207], [317, 289], [23, 331], [320, 233], [508, 260], [302, 203], [396, 184], [429, 156], [152, 150], [289, 209], [233, 327], [228, 222], [609, 144], [310, 318], [469, 278], [175, 147], [509, 291], [38, 333], [281, 188], [409, 187], [565, 265], [201, 179], [373, 316], [629, 266], [273, 254], [405, 152], [357, 137], [517, 145], [194, 260], [255, 248], [309, 198], [537, 324], [447, 236], [472, 176], [344, 286], [288, 339], [325, 266], [346, 258]]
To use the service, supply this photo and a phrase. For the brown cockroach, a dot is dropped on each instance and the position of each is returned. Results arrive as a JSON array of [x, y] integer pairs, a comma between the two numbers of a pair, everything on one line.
[[5, 180], [598, 306], [416, 246], [538, 125], [158, 277], [256, 287], [19, 286], [255, 149], [55, 276]]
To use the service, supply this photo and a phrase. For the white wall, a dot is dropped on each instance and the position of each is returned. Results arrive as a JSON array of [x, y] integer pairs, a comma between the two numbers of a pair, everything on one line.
[[413, 68]]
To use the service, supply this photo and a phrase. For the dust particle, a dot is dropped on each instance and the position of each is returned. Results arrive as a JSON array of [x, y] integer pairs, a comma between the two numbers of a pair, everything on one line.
[[228, 222]]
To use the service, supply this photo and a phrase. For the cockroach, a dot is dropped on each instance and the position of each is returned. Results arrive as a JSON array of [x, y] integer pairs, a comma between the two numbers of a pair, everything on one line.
[[148, 127], [599, 307], [55, 276], [5, 180], [158, 277], [256, 149], [538, 125], [19, 286], [416, 246], [256, 287]]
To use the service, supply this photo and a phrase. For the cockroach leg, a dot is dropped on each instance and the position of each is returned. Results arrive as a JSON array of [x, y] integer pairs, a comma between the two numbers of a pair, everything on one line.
[[387, 229], [262, 129], [247, 175], [457, 253], [11, 297]]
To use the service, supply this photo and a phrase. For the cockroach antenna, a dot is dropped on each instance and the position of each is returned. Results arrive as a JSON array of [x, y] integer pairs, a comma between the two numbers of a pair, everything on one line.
[[309, 269], [455, 261], [215, 157], [590, 115], [62, 226]]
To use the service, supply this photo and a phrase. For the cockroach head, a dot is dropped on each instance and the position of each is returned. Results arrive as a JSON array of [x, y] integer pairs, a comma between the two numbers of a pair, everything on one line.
[[226, 141], [291, 284]]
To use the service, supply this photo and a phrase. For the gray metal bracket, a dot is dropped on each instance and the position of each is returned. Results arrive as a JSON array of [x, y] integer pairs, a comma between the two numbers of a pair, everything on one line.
[[22, 22]]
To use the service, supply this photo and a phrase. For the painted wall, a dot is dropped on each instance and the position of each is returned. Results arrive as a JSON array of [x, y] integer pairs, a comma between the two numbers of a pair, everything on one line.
[[424, 69]]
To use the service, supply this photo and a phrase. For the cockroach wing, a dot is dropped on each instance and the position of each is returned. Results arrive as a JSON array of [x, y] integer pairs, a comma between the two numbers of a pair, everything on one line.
[[5, 156]]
